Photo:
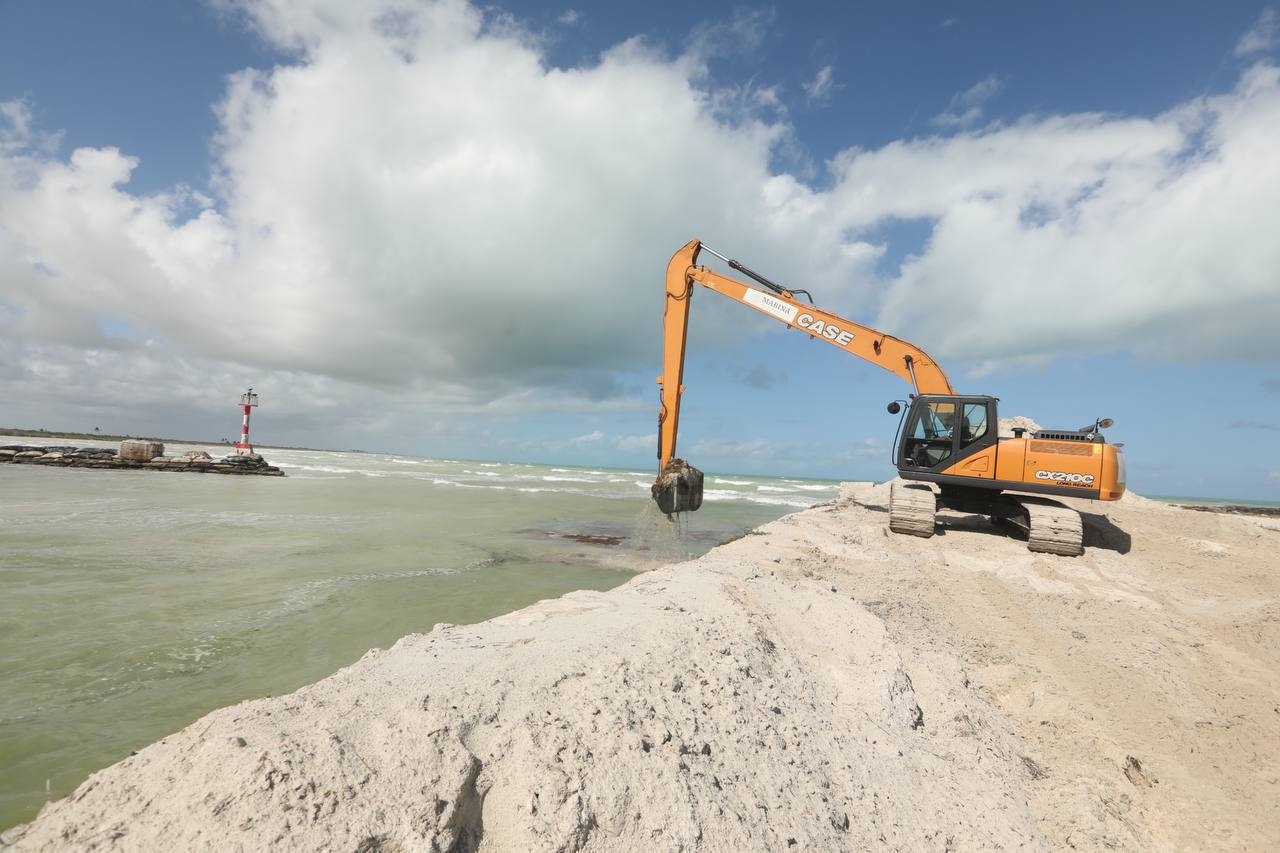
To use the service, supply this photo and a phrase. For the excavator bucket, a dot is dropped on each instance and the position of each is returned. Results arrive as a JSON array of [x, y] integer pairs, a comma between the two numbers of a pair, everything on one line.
[[678, 488]]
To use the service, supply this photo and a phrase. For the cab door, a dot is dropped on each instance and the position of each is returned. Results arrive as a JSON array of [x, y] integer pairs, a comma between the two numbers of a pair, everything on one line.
[[976, 440]]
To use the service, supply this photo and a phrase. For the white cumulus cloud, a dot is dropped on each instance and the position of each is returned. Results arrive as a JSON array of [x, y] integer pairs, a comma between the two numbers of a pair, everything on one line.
[[1090, 233], [417, 208]]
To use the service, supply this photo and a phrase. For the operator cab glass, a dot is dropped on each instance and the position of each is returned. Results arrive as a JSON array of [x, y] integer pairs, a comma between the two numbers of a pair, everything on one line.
[[973, 423], [927, 440], [941, 430]]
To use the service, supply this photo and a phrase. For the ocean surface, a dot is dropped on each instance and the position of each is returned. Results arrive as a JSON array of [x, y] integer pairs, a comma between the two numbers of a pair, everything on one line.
[[134, 602]]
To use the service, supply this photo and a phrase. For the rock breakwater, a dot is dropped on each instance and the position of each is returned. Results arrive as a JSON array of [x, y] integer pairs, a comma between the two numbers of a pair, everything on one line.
[[105, 458]]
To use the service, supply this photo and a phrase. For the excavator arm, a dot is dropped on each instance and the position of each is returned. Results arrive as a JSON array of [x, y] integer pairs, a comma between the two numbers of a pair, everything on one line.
[[897, 356]]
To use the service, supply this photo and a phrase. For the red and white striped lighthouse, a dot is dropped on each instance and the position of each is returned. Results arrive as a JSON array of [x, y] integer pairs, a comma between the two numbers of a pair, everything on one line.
[[248, 399]]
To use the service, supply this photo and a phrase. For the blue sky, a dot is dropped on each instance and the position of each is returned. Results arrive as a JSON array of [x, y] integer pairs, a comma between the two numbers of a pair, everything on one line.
[[441, 229]]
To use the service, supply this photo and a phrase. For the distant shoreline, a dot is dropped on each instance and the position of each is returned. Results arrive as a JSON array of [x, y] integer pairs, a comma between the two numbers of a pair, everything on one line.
[[102, 436], [1228, 505], [1234, 509]]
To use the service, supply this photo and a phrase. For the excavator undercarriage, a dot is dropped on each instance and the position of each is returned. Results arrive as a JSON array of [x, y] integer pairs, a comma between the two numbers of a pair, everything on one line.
[[1050, 527]]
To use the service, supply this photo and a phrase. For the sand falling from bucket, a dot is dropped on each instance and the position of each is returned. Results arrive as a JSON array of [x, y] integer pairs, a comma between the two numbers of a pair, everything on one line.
[[661, 539]]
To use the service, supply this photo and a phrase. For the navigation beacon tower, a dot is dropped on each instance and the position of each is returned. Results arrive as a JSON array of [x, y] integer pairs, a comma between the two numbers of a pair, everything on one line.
[[248, 399]]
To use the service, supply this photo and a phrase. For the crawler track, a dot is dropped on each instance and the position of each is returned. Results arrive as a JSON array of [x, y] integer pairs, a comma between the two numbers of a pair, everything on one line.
[[913, 509], [1053, 528]]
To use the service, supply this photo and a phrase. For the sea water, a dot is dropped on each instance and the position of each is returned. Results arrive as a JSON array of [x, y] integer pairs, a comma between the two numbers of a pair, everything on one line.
[[134, 602]]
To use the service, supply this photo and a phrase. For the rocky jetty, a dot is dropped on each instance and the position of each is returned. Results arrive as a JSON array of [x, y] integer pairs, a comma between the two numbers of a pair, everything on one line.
[[135, 454]]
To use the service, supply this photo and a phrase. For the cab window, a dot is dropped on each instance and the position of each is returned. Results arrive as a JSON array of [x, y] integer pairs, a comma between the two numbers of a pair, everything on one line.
[[929, 435], [974, 424]]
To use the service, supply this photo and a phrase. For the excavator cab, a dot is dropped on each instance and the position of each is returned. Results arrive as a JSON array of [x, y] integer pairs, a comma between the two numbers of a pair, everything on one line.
[[942, 429]]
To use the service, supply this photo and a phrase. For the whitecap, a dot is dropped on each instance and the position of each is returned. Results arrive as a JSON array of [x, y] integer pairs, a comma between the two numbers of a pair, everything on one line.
[[325, 469], [767, 500], [439, 482]]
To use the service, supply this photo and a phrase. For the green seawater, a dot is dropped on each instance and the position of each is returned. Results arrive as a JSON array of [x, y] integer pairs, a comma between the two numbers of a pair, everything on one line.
[[134, 602]]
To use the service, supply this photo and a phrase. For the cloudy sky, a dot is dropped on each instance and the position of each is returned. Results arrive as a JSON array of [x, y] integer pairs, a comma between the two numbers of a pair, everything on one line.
[[441, 228]]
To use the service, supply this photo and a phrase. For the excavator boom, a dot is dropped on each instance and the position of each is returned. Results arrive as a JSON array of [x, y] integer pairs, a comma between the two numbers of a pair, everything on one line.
[[897, 356]]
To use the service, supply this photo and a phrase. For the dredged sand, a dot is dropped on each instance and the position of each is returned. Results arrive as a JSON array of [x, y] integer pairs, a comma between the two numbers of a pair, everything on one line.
[[818, 684]]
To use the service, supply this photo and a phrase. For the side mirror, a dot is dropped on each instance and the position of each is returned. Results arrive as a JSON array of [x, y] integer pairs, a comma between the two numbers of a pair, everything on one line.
[[894, 407]]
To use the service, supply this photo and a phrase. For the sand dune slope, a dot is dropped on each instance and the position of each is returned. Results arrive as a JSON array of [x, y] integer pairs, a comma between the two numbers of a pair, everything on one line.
[[819, 684]]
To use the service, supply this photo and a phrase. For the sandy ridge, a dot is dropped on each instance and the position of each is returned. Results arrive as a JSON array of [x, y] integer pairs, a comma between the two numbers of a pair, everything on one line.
[[819, 684]]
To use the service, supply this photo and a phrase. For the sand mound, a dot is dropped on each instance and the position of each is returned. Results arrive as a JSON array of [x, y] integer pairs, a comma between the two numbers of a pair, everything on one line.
[[1007, 425], [1129, 499], [820, 685], [574, 725]]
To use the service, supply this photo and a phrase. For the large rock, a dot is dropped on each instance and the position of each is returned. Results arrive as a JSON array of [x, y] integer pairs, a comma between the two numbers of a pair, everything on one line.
[[139, 450], [94, 453], [245, 459]]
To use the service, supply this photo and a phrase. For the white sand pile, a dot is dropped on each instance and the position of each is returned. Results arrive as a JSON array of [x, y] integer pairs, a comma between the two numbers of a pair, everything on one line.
[[820, 685], [1007, 425]]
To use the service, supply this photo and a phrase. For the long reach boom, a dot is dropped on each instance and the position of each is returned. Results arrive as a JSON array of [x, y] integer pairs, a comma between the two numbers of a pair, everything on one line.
[[897, 356]]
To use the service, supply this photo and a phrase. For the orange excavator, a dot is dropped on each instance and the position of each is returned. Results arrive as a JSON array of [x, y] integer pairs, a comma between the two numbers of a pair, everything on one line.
[[948, 447]]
